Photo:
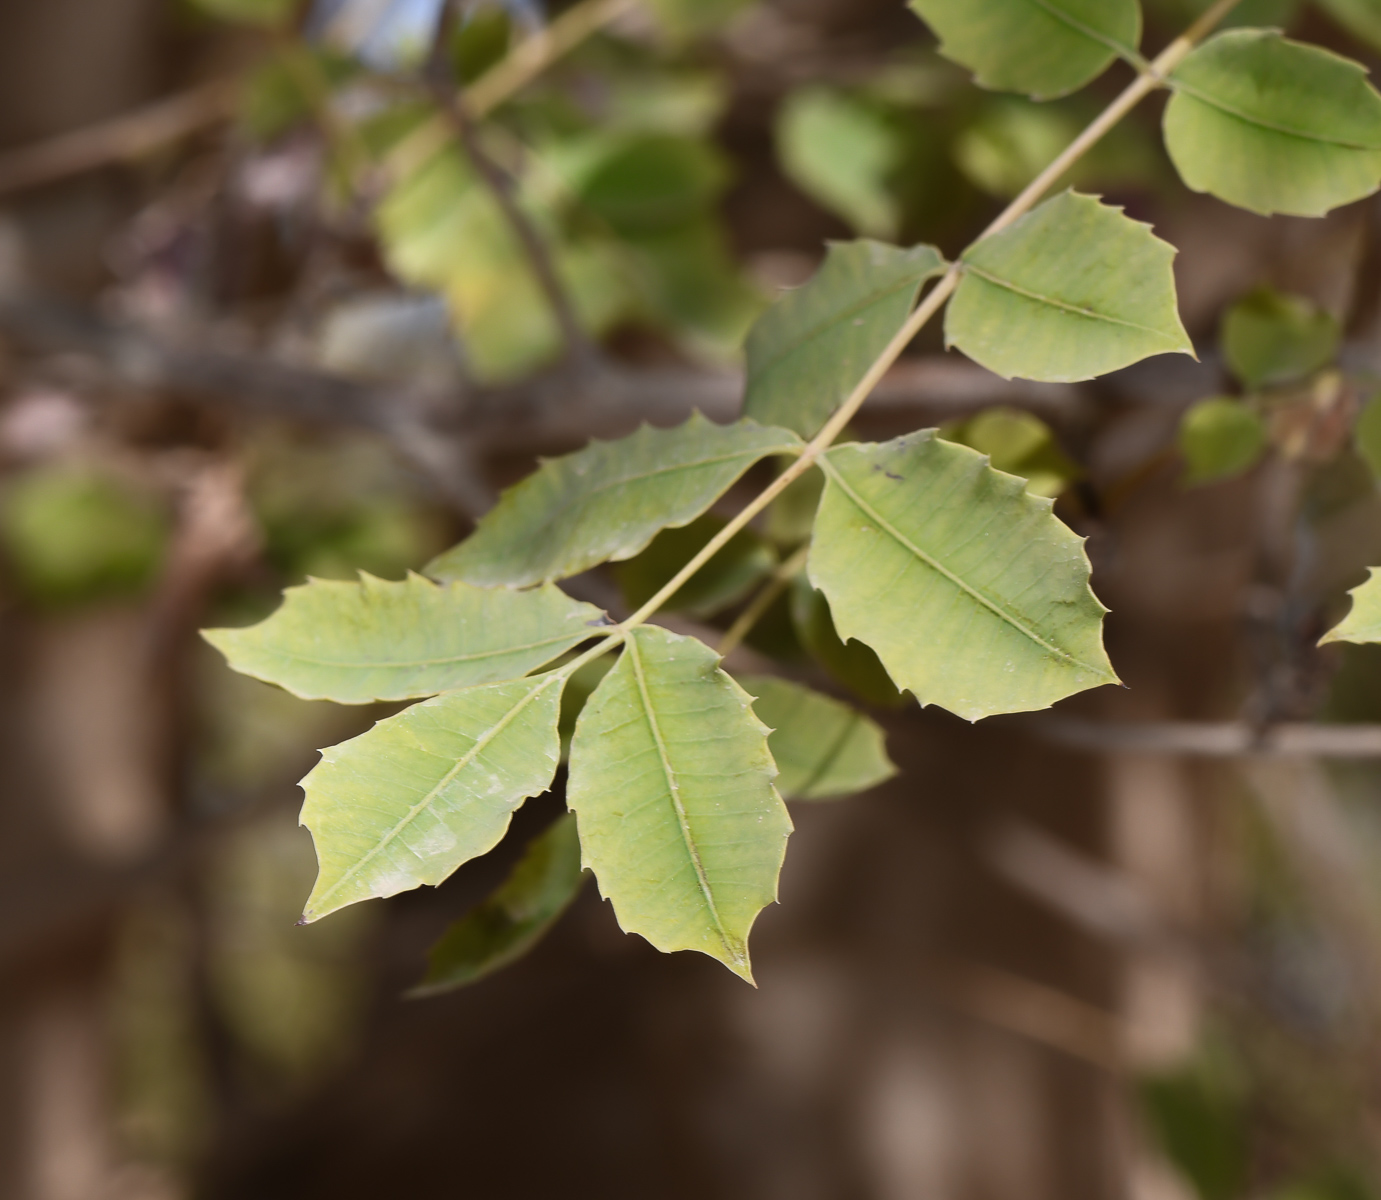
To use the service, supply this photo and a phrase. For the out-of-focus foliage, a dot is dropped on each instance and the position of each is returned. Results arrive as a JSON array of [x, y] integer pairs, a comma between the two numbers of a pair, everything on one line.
[[76, 533], [1269, 338], [823, 749], [1220, 438], [843, 151], [514, 918], [1020, 444]]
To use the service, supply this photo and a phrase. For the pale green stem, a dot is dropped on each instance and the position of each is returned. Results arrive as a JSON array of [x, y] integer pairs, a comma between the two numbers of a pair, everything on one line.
[[1143, 86], [765, 599]]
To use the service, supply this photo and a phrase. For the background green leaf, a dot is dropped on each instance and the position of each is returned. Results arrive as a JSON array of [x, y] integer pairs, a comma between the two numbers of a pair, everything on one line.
[[842, 152], [607, 502], [1274, 126], [514, 919], [822, 748], [374, 640], [1045, 49], [78, 533], [425, 791], [1073, 290], [1220, 438], [1270, 338], [671, 781], [811, 348], [974, 595], [1020, 444]]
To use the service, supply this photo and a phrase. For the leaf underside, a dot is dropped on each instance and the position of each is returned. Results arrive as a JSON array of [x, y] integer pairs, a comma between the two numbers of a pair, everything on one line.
[[822, 748], [1363, 624], [1045, 48], [1274, 126], [671, 781], [974, 595], [607, 502], [355, 643], [811, 349], [514, 919], [423, 792], [1073, 290]]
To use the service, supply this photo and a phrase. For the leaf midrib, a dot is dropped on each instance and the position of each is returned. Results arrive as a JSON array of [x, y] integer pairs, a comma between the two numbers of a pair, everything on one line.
[[1063, 305], [352, 664], [837, 478], [481, 743], [1232, 110], [674, 791]]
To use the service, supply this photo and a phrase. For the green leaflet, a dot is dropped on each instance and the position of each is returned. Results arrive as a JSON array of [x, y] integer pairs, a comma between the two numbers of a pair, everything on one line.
[[842, 152], [1045, 48], [671, 781], [374, 640], [607, 502], [425, 791], [1363, 623], [973, 594], [1073, 290], [811, 349], [822, 748], [514, 919], [1269, 338], [1220, 438], [1362, 18], [1274, 126]]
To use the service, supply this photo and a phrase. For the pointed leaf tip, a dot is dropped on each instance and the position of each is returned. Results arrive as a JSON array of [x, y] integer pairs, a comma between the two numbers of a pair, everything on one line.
[[671, 783]]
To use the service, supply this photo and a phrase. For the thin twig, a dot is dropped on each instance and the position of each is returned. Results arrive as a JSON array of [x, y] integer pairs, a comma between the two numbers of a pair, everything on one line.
[[118, 140], [765, 599], [456, 110], [507, 78]]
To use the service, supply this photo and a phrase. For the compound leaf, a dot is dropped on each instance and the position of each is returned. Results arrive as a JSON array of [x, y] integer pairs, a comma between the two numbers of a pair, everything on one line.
[[1363, 623], [671, 781], [973, 594], [811, 349], [1274, 126], [375, 640], [1270, 338], [608, 501], [425, 791], [822, 748], [1045, 48], [1073, 290], [514, 919]]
